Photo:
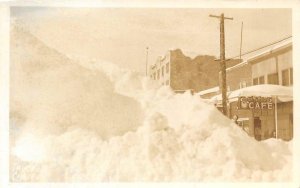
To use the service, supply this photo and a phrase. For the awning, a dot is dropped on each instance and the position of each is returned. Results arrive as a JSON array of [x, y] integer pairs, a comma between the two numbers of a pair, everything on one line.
[[283, 93]]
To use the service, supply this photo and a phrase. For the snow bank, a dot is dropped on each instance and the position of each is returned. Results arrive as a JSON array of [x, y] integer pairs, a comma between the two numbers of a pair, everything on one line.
[[101, 123], [50, 93]]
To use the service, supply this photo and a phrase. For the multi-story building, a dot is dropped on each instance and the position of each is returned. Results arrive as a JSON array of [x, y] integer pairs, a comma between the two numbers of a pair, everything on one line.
[[160, 71], [183, 73], [264, 78]]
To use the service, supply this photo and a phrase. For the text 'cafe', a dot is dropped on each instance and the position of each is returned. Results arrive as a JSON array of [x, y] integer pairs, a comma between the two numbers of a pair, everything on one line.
[[257, 103]]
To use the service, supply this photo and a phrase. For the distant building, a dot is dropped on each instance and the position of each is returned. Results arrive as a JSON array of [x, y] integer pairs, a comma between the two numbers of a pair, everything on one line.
[[183, 73]]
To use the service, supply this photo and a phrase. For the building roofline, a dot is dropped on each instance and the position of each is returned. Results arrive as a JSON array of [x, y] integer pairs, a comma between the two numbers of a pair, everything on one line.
[[268, 50], [243, 63]]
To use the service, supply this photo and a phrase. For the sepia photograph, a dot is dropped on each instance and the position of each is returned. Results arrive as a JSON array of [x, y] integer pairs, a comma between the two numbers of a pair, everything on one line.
[[151, 94]]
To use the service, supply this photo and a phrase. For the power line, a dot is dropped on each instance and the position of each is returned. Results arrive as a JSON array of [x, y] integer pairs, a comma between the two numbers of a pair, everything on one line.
[[270, 44]]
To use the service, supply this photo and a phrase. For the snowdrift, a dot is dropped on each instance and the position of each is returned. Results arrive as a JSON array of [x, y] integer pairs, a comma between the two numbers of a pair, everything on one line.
[[81, 120]]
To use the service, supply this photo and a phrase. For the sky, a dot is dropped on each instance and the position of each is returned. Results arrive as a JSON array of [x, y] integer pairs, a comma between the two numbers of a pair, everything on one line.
[[121, 35]]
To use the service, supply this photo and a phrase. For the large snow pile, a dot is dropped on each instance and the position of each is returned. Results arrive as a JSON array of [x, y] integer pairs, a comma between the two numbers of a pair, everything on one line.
[[92, 121]]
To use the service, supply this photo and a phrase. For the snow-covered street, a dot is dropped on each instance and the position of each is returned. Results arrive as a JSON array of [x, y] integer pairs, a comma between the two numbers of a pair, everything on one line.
[[75, 119]]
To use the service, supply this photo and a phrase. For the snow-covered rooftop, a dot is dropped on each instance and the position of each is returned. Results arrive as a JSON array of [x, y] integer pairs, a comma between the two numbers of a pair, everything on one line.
[[237, 65], [210, 90], [283, 93]]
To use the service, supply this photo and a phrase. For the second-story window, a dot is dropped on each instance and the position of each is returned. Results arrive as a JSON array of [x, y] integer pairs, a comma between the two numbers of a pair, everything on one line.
[[243, 84], [255, 81], [285, 77], [291, 76], [261, 80], [273, 78]]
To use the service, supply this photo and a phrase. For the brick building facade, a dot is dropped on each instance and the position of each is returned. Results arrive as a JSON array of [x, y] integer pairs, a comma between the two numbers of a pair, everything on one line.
[[182, 73]]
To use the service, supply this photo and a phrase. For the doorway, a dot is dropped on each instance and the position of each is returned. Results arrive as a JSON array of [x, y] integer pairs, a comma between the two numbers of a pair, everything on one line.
[[257, 128]]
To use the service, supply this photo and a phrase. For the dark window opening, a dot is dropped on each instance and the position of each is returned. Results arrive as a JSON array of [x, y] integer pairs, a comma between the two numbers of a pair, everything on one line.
[[285, 77], [261, 80], [255, 81], [167, 67], [291, 76], [273, 79]]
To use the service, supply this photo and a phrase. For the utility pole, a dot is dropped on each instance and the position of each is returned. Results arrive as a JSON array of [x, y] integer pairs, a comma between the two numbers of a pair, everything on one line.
[[147, 60], [222, 60], [241, 41]]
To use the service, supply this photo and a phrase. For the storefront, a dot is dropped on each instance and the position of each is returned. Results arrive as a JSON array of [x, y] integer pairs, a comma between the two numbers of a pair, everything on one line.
[[263, 111]]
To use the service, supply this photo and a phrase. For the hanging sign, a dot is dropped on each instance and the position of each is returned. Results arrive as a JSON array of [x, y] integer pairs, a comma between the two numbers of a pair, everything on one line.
[[258, 103]]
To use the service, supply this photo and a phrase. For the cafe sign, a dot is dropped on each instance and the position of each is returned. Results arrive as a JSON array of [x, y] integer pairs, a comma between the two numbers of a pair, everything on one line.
[[257, 103]]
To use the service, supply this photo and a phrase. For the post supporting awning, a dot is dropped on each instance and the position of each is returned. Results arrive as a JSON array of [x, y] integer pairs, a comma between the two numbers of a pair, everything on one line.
[[276, 117]]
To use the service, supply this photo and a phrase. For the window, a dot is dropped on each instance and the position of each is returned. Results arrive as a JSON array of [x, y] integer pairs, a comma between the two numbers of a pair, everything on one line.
[[261, 80], [167, 82], [273, 78], [162, 71], [255, 81], [167, 67], [154, 76], [243, 83], [291, 76], [158, 71], [285, 77]]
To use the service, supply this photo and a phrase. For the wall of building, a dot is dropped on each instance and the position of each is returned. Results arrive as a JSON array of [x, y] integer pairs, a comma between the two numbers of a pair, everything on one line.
[[285, 120], [264, 67], [182, 72], [239, 77], [199, 74]]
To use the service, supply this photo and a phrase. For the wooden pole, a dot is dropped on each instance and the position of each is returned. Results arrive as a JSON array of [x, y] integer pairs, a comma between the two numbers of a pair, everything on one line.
[[147, 60], [222, 61], [223, 65], [276, 117]]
